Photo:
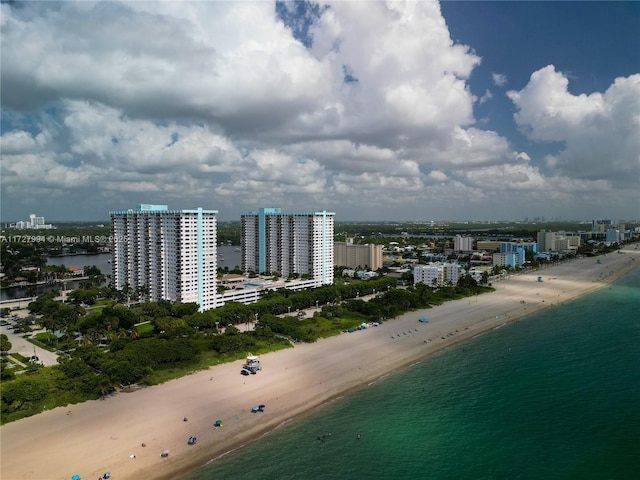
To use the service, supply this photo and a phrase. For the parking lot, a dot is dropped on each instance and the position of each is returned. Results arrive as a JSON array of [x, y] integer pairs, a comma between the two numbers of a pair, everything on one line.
[[23, 347]]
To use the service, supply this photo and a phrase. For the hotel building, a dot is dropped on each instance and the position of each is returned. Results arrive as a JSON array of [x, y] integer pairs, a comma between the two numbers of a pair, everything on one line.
[[170, 252], [289, 243]]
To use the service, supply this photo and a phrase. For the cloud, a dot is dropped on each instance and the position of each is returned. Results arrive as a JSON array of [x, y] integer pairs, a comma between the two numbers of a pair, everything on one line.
[[486, 97], [364, 108], [599, 131], [210, 61], [499, 79]]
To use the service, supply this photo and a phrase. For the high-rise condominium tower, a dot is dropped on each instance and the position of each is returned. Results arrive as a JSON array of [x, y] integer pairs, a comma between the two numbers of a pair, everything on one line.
[[288, 243], [171, 253]]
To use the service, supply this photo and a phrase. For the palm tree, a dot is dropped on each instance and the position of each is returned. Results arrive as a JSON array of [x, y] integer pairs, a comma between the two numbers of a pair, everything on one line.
[[142, 292]]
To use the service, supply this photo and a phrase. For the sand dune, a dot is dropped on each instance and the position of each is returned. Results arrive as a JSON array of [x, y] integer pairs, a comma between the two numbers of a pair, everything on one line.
[[102, 435]]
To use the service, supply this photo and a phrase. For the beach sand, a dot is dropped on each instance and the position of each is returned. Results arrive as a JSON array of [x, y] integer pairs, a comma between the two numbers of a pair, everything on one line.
[[98, 436]]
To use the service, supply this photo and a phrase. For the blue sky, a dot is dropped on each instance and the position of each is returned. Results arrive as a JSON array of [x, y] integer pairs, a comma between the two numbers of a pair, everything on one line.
[[374, 110], [585, 40]]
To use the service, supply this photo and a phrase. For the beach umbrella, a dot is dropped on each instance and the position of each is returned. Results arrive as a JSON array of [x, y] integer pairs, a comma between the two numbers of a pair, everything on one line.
[[218, 423], [255, 409], [75, 477], [423, 319]]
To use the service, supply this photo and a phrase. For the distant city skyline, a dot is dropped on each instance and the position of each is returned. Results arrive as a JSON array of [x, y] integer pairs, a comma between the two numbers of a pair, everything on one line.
[[8, 223], [34, 222], [407, 111]]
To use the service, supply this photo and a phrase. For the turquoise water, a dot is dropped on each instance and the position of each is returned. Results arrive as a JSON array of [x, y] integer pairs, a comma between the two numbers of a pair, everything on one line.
[[553, 396]]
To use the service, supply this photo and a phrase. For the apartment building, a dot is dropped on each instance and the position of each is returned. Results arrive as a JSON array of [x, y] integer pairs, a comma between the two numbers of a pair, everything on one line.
[[462, 244], [520, 248], [346, 254], [34, 222], [295, 243], [508, 259], [172, 253], [557, 241], [436, 273]]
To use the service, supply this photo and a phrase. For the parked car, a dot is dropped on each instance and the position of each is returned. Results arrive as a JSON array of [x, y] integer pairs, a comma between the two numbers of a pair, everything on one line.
[[22, 328]]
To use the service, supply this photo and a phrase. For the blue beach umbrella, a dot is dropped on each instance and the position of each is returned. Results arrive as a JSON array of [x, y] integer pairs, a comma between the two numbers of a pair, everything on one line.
[[75, 477]]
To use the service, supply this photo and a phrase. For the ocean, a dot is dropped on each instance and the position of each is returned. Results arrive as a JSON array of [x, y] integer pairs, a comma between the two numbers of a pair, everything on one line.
[[552, 396]]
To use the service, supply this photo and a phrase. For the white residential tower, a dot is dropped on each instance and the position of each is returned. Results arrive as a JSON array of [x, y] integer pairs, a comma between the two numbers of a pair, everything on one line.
[[172, 253], [288, 243]]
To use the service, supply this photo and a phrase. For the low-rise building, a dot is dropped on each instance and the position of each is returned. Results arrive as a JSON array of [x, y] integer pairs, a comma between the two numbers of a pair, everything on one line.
[[506, 259], [436, 274]]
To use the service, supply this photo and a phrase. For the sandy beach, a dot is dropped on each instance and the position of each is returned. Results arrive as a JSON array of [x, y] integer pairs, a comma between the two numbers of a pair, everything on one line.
[[98, 436]]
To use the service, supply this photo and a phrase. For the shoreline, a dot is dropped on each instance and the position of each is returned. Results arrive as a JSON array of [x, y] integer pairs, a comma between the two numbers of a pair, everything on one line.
[[101, 435]]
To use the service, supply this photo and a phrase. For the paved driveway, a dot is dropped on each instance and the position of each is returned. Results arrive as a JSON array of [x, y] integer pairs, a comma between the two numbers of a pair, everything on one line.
[[25, 348]]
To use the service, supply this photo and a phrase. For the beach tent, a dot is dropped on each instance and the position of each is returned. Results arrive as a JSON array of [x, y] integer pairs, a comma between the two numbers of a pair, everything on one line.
[[423, 319], [192, 440]]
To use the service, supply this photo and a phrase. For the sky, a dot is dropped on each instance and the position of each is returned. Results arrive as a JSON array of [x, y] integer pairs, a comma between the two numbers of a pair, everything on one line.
[[377, 111]]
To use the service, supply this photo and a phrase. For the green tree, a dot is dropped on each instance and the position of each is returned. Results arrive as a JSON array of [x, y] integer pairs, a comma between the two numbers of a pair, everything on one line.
[[83, 295], [6, 374], [179, 310], [26, 389], [467, 281], [5, 344]]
